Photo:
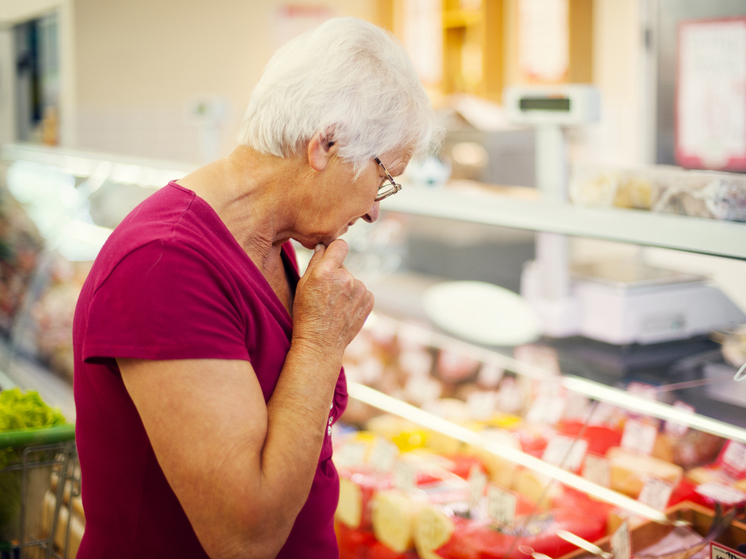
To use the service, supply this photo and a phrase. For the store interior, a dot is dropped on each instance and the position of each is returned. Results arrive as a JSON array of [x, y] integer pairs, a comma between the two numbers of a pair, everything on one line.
[[560, 316]]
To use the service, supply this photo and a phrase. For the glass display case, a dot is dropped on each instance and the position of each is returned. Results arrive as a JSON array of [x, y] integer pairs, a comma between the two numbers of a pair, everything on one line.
[[468, 433]]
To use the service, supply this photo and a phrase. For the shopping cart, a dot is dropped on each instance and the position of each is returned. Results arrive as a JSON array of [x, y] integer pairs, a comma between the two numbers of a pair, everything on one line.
[[34, 459]]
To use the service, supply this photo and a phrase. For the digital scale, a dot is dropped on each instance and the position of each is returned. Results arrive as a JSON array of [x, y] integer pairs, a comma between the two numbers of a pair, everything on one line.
[[617, 303]]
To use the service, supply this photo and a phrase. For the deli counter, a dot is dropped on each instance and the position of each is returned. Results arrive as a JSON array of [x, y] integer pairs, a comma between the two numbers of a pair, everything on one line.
[[470, 432]]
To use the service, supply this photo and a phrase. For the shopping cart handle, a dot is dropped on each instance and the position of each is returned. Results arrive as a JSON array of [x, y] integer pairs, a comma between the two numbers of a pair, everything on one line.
[[46, 435]]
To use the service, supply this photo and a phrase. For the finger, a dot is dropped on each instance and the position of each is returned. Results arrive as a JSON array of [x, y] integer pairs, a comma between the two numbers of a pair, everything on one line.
[[337, 251]]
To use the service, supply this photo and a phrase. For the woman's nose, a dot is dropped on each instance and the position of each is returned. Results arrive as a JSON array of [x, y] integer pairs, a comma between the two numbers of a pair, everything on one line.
[[372, 215]]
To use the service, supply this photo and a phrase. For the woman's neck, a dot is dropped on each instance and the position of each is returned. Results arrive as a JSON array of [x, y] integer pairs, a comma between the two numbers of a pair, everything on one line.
[[251, 193]]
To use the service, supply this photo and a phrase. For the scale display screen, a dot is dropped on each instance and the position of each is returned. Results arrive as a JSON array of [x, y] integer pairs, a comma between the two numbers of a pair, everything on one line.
[[557, 104]]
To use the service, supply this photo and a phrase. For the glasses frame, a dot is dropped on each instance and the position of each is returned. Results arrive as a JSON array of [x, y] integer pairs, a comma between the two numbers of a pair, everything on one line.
[[392, 187]]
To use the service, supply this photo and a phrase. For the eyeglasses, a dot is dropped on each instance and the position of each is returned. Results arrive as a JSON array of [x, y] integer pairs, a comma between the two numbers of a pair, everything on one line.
[[389, 187]]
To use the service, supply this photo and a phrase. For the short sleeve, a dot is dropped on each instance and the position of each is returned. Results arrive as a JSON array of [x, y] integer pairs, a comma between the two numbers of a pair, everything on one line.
[[164, 300]]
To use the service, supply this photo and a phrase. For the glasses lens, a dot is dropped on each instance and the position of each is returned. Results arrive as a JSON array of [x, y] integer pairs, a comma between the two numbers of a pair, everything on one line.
[[387, 189]]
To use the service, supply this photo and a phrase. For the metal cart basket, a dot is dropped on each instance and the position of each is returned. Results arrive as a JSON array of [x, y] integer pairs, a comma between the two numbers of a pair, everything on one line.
[[33, 459]]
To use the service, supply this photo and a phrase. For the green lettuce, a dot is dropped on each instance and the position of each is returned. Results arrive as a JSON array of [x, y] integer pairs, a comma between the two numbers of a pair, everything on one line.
[[18, 411], [26, 411]]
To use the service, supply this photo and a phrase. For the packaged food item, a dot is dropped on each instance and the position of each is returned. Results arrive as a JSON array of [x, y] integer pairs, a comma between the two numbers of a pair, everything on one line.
[[500, 470], [538, 487], [482, 540], [661, 188], [600, 437], [354, 543], [629, 471], [356, 489], [396, 512], [689, 450], [436, 524], [21, 245], [393, 517], [706, 194]]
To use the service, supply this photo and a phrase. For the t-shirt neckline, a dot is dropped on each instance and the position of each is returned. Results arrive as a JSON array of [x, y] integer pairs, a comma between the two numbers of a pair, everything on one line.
[[286, 260]]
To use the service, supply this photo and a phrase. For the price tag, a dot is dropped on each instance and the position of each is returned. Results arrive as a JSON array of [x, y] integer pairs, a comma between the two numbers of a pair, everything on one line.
[[678, 429], [477, 483], [547, 409], [733, 459], [541, 357], [565, 452], [642, 389], [597, 469], [351, 454], [510, 397], [621, 546], [501, 505], [721, 493], [405, 475], [639, 437], [604, 414], [490, 375], [383, 455], [656, 493], [719, 551]]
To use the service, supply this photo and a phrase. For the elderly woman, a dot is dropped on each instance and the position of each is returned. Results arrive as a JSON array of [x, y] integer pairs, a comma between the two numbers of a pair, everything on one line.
[[208, 372]]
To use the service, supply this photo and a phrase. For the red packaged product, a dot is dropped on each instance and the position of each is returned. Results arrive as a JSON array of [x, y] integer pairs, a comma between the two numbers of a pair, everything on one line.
[[380, 551], [581, 503], [600, 438], [473, 540], [462, 464], [354, 544]]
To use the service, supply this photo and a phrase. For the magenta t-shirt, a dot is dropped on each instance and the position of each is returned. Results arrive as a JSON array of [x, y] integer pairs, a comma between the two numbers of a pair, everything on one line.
[[173, 283]]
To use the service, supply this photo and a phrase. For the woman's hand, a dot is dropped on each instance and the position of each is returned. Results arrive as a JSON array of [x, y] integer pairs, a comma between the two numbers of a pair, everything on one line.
[[330, 305]]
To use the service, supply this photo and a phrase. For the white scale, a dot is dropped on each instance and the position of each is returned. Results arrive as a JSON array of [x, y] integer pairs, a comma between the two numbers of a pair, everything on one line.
[[618, 304]]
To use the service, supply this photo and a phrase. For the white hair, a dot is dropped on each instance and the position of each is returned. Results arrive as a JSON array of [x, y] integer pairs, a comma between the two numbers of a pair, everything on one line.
[[348, 80]]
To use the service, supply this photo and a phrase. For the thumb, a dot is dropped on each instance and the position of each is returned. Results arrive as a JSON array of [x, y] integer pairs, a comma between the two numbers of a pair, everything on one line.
[[318, 254]]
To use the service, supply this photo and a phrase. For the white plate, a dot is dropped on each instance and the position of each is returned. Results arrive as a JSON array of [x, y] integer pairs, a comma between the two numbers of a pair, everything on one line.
[[481, 312]]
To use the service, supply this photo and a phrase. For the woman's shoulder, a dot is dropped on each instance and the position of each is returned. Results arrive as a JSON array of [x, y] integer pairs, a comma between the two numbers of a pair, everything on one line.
[[164, 220]]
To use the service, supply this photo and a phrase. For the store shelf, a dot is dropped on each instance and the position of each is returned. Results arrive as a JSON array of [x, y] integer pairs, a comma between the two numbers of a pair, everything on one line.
[[401, 409], [692, 234]]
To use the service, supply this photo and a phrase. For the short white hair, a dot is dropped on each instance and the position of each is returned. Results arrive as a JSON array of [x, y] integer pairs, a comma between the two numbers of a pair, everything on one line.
[[352, 82]]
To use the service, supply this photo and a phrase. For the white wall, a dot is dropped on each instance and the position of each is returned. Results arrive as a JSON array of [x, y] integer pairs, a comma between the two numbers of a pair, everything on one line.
[[617, 53], [140, 63]]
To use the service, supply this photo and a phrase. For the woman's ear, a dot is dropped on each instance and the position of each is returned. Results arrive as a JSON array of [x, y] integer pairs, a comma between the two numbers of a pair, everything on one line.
[[320, 151]]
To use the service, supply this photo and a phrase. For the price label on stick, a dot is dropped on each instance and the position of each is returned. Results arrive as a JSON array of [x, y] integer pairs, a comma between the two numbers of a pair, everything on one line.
[[597, 469], [547, 409], [719, 551], [733, 459], [639, 437], [565, 452], [351, 454], [383, 455], [501, 505], [477, 483], [721, 493], [678, 429], [621, 546], [656, 493]]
